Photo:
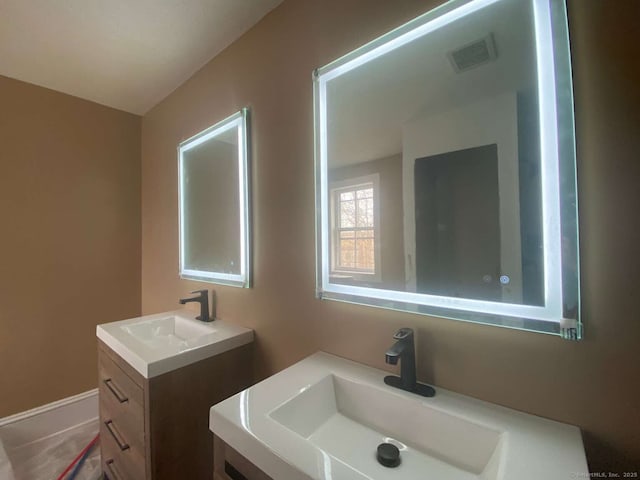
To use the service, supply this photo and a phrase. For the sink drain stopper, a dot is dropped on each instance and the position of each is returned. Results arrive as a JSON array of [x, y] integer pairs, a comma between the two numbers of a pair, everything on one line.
[[388, 455]]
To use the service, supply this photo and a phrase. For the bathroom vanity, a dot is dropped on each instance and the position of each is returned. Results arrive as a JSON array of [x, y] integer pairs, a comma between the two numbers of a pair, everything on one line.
[[325, 416], [230, 465], [158, 376]]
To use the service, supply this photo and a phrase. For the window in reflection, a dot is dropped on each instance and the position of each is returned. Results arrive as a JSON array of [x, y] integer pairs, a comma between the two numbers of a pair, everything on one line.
[[355, 229]]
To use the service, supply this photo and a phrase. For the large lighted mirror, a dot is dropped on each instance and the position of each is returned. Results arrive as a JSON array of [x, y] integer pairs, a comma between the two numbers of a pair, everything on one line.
[[446, 181], [214, 207]]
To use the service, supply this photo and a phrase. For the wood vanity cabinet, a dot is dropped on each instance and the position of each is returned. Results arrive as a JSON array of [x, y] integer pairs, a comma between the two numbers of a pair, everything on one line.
[[158, 428], [230, 465]]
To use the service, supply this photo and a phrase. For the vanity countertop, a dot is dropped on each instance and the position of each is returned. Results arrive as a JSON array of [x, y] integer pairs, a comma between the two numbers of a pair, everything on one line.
[[323, 417], [162, 342]]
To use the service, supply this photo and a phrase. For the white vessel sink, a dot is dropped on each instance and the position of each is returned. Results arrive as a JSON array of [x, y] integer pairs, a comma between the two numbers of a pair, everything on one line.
[[324, 417], [156, 344]]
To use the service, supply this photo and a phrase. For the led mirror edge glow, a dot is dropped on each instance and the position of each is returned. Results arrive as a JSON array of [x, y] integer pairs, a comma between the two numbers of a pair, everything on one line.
[[318, 184], [180, 213], [238, 120], [567, 147], [218, 280], [437, 301], [322, 186], [215, 129], [245, 198], [549, 171], [416, 28], [477, 318], [552, 312]]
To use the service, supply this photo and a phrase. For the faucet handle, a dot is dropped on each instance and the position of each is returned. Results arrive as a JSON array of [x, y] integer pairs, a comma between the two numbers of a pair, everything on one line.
[[403, 333], [204, 291]]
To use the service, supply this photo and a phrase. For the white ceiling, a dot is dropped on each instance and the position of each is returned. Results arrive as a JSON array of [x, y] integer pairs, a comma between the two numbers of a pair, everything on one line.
[[127, 54]]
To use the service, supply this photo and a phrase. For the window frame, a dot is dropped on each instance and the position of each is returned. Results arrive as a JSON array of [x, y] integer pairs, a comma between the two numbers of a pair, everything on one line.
[[353, 184]]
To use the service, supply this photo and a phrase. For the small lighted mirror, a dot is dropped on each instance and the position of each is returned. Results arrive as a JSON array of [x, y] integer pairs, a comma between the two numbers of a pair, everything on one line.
[[214, 206], [446, 179]]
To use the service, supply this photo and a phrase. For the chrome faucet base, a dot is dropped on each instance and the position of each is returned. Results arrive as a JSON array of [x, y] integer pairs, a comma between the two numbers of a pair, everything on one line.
[[418, 388]]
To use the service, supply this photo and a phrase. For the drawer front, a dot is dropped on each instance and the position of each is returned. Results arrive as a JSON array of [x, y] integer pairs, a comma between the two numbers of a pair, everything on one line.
[[127, 423], [121, 402], [118, 383], [119, 463]]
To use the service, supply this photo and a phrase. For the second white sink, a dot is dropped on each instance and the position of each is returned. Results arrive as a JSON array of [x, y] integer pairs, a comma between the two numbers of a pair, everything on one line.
[[324, 417], [172, 330], [156, 344], [336, 414]]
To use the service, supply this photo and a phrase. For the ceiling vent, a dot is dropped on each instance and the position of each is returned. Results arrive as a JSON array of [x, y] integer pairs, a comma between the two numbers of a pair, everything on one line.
[[473, 54]]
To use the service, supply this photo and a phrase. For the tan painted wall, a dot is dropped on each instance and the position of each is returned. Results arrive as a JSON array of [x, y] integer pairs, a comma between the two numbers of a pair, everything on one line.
[[593, 383], [69, 242]]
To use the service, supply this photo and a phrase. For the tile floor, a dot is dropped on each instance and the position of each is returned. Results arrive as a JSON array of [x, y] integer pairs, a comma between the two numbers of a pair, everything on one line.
[[47, 458]]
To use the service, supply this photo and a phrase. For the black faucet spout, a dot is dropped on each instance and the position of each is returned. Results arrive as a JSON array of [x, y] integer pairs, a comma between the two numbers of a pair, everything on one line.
[[404, 351], [203, 300], [391, 359], [394, 353]]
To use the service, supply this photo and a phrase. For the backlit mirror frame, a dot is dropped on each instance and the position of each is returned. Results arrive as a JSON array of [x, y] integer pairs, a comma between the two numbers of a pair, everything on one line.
[[239, 121], [558, 166]]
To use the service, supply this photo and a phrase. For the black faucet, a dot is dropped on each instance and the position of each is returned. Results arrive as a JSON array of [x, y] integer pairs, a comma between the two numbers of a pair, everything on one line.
[[404, 351], [203, 300]]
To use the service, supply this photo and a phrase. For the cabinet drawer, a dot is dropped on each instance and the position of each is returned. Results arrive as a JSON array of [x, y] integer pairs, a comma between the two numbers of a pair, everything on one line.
[[119, 463], [116, 382], [127, 421], [121, 404]]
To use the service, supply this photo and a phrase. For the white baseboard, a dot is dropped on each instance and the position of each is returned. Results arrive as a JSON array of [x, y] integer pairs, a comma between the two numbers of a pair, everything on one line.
[[26, 427]]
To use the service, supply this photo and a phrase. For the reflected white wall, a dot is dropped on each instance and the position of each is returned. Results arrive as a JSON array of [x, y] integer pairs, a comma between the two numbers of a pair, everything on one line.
[[489, 121]]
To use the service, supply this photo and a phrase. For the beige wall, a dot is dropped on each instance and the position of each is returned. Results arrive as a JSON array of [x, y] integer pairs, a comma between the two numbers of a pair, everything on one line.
[[69, 242], [593, 383]]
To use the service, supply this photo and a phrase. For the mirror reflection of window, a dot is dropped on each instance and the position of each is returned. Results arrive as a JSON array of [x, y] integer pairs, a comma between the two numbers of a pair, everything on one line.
[[355, 232]]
